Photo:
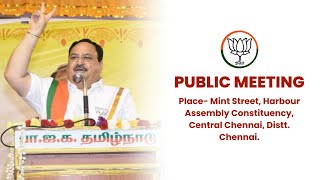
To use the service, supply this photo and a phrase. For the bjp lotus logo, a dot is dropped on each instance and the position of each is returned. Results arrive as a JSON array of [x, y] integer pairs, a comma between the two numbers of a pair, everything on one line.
[[241, 50]]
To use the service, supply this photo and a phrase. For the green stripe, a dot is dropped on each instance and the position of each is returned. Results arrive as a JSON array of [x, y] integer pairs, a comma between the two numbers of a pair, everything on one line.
[[51, 92]]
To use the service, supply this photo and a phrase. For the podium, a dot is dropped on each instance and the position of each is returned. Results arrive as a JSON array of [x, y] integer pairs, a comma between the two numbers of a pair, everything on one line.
[[87, 153]]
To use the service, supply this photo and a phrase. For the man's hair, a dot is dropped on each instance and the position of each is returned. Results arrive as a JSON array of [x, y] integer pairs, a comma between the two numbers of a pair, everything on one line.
[[97, 46], [61, 67]]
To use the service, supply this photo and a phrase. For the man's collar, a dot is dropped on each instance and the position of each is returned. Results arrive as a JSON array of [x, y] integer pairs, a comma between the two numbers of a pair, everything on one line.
[[93, 86]]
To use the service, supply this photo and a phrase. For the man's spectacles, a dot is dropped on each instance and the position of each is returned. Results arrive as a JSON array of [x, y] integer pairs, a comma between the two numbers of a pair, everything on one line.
[[83, 58]]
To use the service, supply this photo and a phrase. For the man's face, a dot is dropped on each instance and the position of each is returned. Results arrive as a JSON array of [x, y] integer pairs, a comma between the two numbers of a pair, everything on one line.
[[83, 59]]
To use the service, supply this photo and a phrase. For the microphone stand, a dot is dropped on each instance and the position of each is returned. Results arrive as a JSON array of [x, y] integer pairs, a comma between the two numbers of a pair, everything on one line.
[[85, 103]]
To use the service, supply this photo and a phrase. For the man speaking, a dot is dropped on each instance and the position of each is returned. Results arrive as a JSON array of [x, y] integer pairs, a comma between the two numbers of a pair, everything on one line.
[[64, 99]]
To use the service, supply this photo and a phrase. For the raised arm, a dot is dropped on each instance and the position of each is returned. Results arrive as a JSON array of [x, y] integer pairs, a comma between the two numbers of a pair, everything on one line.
[[16, 72]]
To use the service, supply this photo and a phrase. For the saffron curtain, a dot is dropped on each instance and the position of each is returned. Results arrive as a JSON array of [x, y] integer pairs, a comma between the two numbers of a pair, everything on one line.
[[91, 8]]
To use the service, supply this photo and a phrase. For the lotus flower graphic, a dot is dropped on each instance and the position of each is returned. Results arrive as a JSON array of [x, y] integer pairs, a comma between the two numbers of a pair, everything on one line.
[[239, 47]]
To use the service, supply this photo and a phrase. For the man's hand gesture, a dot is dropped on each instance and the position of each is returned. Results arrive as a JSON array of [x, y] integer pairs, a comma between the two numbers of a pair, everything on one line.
[[39, 20]]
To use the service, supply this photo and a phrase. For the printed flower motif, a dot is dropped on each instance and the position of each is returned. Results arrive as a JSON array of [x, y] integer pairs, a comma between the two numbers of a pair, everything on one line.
[[45, 123], [239, 47], [68, 123]]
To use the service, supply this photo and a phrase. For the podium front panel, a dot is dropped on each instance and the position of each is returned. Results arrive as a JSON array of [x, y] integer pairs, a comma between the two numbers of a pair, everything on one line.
[[136, 162]]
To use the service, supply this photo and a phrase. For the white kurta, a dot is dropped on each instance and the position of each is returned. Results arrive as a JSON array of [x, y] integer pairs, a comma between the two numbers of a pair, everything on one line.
[[100, 98]]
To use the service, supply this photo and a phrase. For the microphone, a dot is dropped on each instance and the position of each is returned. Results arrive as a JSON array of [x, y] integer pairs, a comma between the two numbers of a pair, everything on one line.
[[78, 77]]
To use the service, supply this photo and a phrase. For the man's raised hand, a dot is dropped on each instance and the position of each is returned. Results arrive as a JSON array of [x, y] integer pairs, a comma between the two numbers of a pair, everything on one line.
[[39, 20]]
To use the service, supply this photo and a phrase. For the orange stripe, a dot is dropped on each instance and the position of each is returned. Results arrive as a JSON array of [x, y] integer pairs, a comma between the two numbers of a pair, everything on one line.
[[115, 103], [60, 100]]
